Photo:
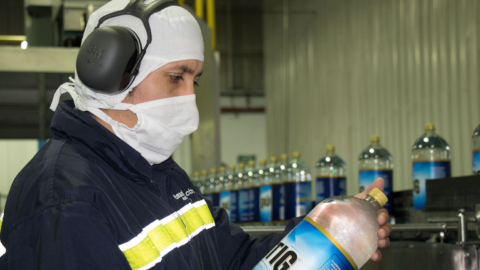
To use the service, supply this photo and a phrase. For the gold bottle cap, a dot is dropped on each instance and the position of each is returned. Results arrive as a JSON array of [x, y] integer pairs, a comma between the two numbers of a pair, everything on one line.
[[429, 126], [196, 174], [378, 196], [296, 154], [284, 156], [374, 138], [204, 172], [251, 163], [213, 171], [330, 147], [273, 159], [232, 167], [222, 169], [263, 161], [241, 165]]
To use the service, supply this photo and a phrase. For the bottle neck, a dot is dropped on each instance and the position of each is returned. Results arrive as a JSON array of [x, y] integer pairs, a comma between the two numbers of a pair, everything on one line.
[[370, 199], [330, 153], [430, 133], [375, 144]]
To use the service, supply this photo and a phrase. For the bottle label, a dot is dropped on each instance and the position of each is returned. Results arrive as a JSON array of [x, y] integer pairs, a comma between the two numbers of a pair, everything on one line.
[[297, 199], [234, 205], [476, 162], [367, 177], [266, 203], [307, 246], [421, 172], [244, 205], [225, 202], [254, 204], [278, 202], [327, 187]]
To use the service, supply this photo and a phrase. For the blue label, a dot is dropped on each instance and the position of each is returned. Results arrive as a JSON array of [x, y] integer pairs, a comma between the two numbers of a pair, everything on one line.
[[225, 202], [476, 162], [266, 203], [366, 178], [234, 205], [307, 246], [297, 199], [244, 205], [254, 204], [423, 171], [278, 202], [327, 187]]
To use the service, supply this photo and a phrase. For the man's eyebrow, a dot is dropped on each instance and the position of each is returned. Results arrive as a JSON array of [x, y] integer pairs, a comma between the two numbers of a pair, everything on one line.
[[188, 70]]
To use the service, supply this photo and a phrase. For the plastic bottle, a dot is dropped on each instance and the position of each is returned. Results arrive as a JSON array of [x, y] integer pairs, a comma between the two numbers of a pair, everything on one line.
[[233, 186], [254, 185], [339, 234], [298, 188], [476, 151], [331, 176], [243, 195], [265, 196], [272, 207], [213, 192], [223, 189], [431, 160], [375, 161], [196, 180]]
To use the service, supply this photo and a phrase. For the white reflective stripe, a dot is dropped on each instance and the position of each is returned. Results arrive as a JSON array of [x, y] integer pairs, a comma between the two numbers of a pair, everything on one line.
[[135, 241], [184, 209], [199, 203], [2, 249], [167, 219], [152, 264], [1, 217]]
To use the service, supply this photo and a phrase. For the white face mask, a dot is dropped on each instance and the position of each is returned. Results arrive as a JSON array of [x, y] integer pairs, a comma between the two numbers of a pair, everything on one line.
[[161, 125]]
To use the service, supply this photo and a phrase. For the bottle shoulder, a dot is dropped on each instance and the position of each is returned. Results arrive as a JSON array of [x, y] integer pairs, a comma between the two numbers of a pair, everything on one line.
[[372, 152], [433, 141], [330, 161], [476, 132]]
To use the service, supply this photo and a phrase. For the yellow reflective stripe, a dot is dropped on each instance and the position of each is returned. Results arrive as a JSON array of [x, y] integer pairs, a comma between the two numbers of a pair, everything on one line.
[[160, 238], [176, 229], [141, 254], [205, 214], [192, 220]]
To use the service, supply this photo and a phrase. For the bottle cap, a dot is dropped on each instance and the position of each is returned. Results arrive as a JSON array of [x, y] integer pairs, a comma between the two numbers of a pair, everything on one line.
[[273, 159], [241, 165], [222, 169], [196, 174], [284, 156], [204, 172], [374, 138], [330, 147], [429, 126], [296, 154], [378, 196], [263, 161], [213, 171], [232, 167], [251, 163]]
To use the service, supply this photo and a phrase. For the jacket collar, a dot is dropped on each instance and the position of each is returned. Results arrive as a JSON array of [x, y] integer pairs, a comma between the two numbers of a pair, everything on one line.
[[78, 126]]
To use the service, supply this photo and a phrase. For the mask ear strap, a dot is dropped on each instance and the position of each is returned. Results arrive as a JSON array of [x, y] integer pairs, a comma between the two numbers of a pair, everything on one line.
[[68, 87]]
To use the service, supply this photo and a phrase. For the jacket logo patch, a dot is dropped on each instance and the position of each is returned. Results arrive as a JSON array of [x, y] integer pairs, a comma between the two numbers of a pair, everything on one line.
[[182, 195]]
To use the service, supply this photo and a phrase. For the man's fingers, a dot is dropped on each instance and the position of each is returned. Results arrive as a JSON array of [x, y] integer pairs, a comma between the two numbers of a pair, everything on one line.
[[377, 256], [382, 216], [378, 183], [383, 243], [384, 231]]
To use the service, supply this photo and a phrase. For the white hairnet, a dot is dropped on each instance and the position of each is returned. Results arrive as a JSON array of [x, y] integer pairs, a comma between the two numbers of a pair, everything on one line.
[[176, 36]]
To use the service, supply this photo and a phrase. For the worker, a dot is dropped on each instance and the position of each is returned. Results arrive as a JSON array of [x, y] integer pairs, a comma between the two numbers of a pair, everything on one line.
[[104, 192]]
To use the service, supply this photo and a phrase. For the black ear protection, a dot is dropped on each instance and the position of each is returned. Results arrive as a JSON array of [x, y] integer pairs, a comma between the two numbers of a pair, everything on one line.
[[109, 58]]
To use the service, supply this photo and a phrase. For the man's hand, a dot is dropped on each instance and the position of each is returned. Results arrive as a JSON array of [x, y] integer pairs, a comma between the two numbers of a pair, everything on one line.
[[382, 218]]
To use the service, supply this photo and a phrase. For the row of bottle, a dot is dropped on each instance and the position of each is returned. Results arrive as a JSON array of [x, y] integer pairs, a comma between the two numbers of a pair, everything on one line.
[[268, 193]]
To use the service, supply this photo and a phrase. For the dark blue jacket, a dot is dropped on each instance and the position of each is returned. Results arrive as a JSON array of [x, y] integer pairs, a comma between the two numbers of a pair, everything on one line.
[[87, 200]]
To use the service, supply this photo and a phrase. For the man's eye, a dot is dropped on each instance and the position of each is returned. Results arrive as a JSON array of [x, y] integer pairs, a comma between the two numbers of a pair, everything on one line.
[[176, 78], [196, 84]]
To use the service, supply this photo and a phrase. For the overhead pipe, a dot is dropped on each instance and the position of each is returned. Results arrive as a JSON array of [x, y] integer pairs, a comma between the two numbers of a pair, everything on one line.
[[199, 9], [181, 2]]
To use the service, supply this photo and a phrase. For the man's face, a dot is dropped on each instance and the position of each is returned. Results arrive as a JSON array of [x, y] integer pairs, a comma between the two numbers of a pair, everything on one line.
[[172, 80]]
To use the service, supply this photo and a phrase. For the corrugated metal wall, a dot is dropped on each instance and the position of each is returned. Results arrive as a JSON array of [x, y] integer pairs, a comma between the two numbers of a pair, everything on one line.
[[338, 71]]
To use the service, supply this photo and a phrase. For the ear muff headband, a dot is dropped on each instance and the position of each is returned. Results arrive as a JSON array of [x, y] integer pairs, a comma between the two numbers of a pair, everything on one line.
[[110, 57]]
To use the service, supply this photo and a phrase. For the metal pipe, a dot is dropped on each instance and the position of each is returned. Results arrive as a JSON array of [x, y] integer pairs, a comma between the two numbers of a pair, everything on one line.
[[211, 21], [199, 9], [181, 2], [462, 229]]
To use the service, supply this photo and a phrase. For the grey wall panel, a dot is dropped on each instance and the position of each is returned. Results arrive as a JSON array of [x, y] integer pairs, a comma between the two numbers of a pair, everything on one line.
[[339, 71]]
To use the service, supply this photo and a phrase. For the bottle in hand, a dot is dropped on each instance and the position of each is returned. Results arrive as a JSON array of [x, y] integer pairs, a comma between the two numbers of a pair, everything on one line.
[[339, 233]]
